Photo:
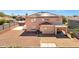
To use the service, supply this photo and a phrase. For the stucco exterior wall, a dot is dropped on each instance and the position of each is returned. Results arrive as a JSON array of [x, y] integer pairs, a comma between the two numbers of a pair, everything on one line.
[[34, 23], [47, 29], [55, 21], [30, 26]]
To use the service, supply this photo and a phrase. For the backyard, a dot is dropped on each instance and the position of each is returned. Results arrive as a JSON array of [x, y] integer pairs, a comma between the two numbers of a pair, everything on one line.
[[15, 38], [13, 35]]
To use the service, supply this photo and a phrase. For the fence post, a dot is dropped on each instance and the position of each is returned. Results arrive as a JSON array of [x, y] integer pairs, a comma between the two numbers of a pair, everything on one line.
[[3, 26], [14, 23], [9, 25]]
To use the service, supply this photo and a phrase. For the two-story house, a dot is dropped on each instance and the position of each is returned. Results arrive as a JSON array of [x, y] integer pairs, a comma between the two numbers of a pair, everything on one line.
[[45, 22]]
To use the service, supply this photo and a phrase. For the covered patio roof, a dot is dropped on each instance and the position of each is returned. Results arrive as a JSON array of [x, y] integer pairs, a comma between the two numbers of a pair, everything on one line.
[[61, 26]]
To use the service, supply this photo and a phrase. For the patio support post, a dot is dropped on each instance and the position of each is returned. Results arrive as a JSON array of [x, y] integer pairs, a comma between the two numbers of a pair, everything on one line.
[[66, 30], [55, 31]]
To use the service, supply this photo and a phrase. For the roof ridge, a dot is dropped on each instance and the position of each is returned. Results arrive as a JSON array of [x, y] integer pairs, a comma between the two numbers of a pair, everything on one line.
[[40, 13]]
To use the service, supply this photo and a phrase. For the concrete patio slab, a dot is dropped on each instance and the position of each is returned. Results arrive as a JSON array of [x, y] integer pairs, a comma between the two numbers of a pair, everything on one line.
[[47, 45], [18, 28]]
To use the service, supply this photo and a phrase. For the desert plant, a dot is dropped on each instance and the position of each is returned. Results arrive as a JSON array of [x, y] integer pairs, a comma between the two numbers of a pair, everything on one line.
[[2, 21], [64, 20], [72, 34], [7, 21]]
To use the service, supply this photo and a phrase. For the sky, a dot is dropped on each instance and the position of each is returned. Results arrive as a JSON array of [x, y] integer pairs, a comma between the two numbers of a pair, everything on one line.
[[58, 12]]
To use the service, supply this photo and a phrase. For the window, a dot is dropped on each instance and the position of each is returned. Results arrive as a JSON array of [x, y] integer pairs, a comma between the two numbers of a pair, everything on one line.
[[46, 19], [33, 20], [43, 19]]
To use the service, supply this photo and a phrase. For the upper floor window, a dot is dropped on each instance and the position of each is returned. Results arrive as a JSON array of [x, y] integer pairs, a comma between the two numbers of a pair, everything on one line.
[[45, 20], [33, 20]]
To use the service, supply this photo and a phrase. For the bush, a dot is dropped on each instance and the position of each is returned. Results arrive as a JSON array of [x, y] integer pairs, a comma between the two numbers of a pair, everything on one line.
[[72, 34], [2, 21], [7, 21], [64, 20], [14, 17]]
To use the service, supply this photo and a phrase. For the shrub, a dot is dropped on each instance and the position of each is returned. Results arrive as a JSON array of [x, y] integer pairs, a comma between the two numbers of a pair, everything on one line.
[[64, 20], [14, 17], [7, 21], [72, 34], [2, 21]]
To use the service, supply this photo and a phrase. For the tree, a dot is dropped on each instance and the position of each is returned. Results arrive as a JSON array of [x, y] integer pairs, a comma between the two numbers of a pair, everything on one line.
[[64, 20], [20, 19], [14, 17], [2, 21], [2, 14], [26, 14], [75, 16]]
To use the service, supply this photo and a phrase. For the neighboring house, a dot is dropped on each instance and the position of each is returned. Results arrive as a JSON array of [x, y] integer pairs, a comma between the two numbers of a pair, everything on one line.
[[20, 20], [73, 22], [47, 23]]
